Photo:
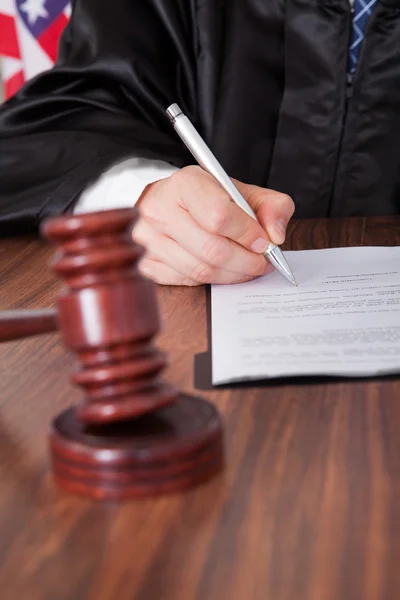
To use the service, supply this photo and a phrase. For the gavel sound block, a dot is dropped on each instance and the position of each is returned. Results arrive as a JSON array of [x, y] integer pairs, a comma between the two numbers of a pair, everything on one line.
[[133, 434]]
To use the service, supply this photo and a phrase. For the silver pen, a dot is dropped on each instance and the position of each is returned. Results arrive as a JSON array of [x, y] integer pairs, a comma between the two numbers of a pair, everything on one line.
[[199, 149]]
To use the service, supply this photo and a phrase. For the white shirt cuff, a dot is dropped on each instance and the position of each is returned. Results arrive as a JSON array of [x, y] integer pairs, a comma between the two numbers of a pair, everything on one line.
[[122, 185]]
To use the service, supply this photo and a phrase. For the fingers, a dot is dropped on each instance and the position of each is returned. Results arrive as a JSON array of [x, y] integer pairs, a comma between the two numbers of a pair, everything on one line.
[[274, 210], [215, 250], [163, 274], [183, 267], [165, 250], [213, 209]]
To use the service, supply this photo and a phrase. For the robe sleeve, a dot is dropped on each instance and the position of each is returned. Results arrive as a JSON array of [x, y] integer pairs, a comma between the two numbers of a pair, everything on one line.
[[120, 65]]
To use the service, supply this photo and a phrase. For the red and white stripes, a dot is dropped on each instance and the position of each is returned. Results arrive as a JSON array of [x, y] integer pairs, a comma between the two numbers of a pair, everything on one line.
[[23, 55]]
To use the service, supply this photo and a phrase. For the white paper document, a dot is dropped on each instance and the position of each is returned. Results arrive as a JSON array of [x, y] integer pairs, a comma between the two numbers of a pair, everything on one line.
[[343, 319]]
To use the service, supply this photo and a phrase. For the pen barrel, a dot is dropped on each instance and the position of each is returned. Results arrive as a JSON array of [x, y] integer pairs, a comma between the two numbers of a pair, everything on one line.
[[206, 159], [199, 149]]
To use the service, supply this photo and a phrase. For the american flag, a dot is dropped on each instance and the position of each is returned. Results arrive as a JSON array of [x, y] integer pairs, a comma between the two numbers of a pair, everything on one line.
[[29, 34]]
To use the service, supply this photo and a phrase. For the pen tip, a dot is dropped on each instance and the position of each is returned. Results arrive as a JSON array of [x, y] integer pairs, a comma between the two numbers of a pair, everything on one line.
[[276, 257]]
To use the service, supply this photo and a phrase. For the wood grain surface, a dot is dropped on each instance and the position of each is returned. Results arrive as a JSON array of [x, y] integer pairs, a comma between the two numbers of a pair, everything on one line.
[[307, 509]]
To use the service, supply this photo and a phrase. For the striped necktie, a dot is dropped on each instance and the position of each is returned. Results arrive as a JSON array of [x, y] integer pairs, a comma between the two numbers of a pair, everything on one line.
[[362, 11]]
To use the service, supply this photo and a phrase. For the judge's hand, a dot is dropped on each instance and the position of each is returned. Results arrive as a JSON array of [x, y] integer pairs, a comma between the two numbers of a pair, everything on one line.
[[194, 234]]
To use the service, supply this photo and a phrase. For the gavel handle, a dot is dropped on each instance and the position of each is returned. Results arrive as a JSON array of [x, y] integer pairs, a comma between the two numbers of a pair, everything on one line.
[[15, 324]]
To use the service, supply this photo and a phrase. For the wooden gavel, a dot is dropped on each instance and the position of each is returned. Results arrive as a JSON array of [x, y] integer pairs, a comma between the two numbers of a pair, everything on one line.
[[133, 434]]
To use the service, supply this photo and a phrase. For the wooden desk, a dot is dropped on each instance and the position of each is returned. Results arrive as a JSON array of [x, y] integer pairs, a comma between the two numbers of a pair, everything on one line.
[[308, 508]]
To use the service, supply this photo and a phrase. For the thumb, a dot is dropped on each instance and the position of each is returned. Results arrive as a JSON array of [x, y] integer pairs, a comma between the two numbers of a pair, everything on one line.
[[273, 209]]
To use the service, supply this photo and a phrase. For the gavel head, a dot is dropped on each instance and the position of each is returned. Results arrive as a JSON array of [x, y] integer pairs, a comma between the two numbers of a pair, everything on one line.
[[108, 316]]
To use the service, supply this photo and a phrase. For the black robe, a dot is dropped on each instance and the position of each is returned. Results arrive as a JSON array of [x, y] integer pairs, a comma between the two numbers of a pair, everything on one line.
[[263, 80]]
